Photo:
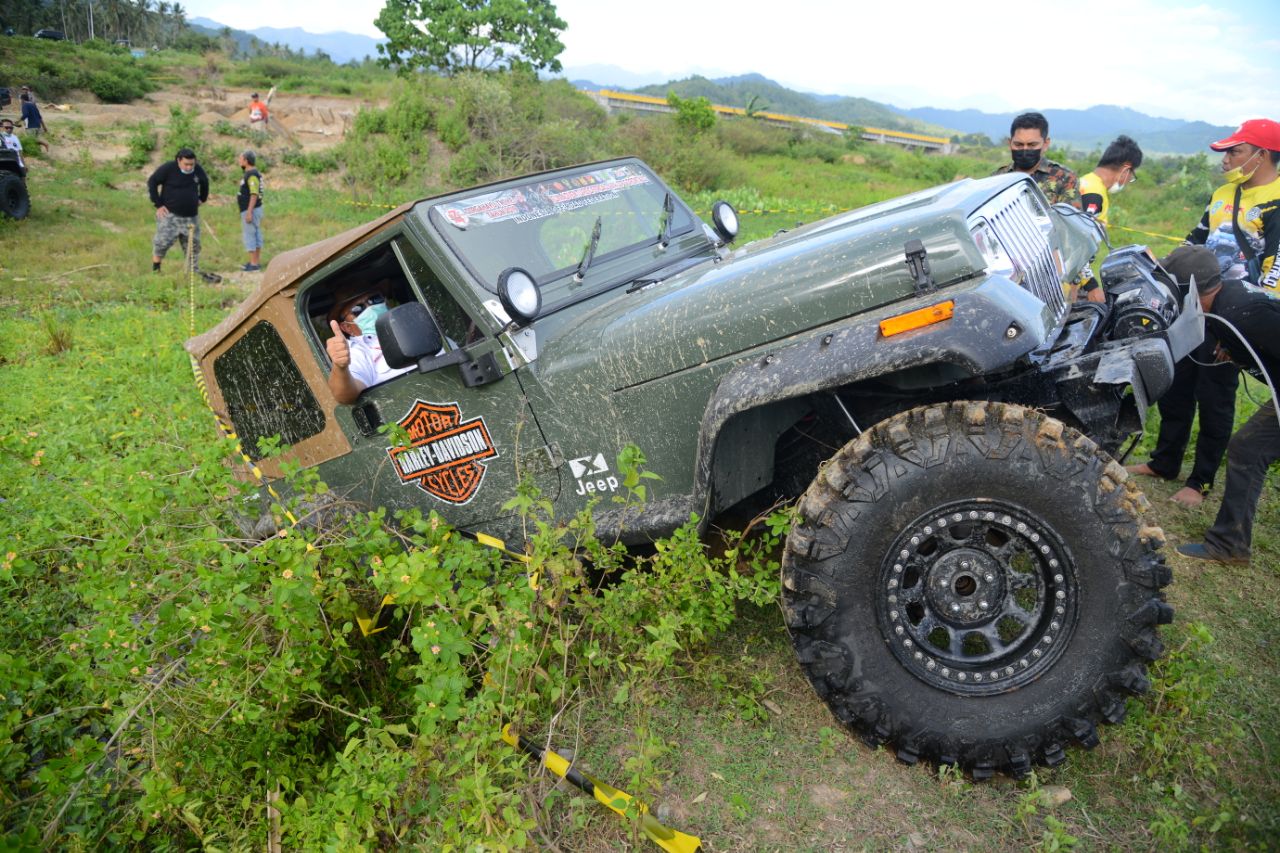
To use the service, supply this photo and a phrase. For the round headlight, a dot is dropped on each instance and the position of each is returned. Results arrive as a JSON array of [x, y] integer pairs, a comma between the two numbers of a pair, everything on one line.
[[520, 295], [725, 220]]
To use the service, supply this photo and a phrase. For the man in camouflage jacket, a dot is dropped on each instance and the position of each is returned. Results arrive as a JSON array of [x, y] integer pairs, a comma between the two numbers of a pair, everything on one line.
[[1028, 142]]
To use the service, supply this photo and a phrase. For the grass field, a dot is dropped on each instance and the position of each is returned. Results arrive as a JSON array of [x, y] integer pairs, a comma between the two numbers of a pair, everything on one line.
[[118, 516]]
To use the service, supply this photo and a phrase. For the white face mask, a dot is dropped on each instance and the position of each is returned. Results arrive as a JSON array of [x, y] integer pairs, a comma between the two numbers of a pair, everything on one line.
[[1115, 188]]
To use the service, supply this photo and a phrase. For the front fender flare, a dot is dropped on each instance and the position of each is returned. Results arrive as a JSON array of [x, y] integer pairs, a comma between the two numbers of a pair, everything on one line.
[[995, 322]]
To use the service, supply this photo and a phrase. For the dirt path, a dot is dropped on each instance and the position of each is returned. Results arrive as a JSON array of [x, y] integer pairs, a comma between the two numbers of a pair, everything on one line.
[[309, 122]]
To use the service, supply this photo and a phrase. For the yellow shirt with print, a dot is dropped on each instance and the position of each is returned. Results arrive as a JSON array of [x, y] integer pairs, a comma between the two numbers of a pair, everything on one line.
[[1093, 197], [1259, 219]]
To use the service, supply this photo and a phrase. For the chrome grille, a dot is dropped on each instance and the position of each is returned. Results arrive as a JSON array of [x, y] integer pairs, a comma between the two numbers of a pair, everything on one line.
[[1016, 222]]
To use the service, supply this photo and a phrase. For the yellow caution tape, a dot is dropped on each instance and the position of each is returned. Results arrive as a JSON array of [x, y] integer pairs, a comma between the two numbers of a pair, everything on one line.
[[1148, 233], [610, 797]]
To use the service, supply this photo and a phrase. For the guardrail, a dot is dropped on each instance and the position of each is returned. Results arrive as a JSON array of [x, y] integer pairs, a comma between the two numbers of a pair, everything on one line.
[[612, 100]]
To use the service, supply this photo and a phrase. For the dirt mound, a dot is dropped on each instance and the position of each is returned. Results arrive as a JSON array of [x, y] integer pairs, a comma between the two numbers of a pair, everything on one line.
[[308, 121]]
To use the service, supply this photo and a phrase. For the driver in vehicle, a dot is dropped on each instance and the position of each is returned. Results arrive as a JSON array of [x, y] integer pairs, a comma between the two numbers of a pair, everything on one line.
[[354, 349]]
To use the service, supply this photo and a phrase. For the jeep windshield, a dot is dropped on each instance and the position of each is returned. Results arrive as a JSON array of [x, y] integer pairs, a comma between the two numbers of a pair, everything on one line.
[[546, 224]]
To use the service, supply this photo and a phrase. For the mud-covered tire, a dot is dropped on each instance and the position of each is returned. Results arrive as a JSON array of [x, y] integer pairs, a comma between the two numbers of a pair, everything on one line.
[[14, 201], [973, 584]]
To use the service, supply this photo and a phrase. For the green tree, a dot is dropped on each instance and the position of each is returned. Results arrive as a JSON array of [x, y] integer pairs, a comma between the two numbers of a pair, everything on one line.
[[470, 35], [693, 115]]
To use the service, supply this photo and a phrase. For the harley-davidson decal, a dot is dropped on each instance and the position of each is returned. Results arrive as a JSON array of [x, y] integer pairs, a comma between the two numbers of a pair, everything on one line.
[[445, 452]]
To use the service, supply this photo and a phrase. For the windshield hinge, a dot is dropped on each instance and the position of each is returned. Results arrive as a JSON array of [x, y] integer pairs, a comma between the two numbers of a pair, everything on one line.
[[918, 264]]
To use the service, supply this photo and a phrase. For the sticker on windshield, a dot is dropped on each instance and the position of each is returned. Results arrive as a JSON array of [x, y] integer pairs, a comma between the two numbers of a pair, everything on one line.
[[538, 201], [445, 454]]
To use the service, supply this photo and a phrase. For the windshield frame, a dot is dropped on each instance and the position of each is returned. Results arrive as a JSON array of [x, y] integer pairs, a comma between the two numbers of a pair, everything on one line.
[[608, 269]]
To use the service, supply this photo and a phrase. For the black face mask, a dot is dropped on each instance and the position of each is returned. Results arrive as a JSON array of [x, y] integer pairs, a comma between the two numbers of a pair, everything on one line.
[[1026, 158]]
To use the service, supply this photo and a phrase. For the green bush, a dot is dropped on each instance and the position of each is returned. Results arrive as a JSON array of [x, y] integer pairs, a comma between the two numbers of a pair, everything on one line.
[[748, 137], [141, 141], [313, 163], [690, 163]]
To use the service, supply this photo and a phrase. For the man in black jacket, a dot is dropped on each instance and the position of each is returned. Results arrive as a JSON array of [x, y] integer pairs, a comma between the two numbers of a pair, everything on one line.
[[1239, 312], [178, 188]]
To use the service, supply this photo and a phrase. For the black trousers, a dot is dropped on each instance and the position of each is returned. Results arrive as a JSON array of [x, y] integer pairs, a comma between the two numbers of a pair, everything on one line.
[[1213, 391], [1252, 450]]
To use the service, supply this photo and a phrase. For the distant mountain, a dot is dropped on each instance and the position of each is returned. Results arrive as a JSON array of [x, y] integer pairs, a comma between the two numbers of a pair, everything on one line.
[[1089, 129], [773, 97], [610, 77], [340, 47], [1083, 130]]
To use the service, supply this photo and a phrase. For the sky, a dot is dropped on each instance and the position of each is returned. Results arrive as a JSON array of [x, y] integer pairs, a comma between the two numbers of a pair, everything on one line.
[[1216, 62]]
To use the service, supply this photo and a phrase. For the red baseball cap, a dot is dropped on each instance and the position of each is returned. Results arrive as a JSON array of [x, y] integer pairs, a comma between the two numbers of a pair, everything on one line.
[[1260, 132]]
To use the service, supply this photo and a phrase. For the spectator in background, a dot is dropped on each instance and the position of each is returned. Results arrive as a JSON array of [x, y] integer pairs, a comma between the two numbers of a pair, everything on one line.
[[1247, 206], [31, 118], [250, 201], [1116, 169], [1028, 143], [177, 189], [259, 115]]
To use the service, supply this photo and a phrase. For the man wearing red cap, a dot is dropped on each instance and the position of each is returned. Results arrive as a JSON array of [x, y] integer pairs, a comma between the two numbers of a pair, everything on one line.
[[1242, 221], [1247, 206]]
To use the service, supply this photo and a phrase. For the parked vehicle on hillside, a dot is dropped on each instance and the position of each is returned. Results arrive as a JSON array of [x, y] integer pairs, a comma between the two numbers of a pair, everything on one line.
[[14, 201], [970, 576], [51, 35]]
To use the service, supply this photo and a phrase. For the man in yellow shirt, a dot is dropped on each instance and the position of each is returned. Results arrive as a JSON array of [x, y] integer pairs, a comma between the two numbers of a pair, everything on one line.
[[1117, 168], [1247, 206], [1243, 218]]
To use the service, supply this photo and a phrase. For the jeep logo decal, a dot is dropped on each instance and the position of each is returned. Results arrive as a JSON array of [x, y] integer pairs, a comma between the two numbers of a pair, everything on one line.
[[445, 452]]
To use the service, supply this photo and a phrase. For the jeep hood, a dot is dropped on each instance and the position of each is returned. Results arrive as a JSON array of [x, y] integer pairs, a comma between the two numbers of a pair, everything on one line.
[[775, 288]]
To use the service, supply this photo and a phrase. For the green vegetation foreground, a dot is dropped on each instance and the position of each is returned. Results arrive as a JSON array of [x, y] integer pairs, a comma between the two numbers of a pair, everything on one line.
[[169, 683]]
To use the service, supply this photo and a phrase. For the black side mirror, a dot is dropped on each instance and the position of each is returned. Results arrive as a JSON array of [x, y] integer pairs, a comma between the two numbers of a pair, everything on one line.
[[408, 334]]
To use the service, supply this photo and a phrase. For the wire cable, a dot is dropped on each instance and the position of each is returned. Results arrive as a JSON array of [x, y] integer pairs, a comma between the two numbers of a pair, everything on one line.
[[1275, 398]]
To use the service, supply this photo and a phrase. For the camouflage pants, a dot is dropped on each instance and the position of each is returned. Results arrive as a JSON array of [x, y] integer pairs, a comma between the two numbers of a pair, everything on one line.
[[180, 228]]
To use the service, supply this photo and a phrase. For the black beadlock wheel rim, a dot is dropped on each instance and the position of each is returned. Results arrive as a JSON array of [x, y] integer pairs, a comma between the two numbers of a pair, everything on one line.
[[977, 597]]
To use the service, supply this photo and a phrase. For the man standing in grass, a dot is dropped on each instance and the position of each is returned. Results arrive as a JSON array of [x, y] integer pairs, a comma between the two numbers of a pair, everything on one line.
[[1252, 340], [259, 115], [1243, 215], [177, 189], [1028, 143], [250, 202]]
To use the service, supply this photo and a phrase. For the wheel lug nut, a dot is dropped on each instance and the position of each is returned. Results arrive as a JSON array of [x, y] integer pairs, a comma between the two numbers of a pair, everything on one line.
[[964, 564], [988, 577], [983, 605], [955, 608]]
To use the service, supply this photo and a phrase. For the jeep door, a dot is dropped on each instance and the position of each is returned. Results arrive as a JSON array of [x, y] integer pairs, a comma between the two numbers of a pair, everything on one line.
[[428, 440]]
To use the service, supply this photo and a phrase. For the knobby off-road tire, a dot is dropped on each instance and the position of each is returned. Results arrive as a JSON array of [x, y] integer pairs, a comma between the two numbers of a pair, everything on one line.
[[973, 583], [14, 200]]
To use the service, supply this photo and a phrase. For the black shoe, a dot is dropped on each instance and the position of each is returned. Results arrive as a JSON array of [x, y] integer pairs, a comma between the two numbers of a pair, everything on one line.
[[250, 268], [211, 277], [155, 266], [1200, 551]]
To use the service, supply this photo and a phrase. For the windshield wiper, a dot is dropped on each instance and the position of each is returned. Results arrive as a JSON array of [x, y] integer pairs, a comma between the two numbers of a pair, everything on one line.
[[668, 208], [590, 253]]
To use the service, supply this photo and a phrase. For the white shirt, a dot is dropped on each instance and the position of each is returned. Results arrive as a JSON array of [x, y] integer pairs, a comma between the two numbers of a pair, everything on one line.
[[367, 363], [13, 143]]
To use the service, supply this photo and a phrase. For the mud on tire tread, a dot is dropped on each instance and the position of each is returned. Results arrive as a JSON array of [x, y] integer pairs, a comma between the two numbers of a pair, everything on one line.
[[905, 468]]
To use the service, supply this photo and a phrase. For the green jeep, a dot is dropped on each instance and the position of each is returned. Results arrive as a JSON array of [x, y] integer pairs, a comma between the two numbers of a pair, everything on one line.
[[969, 578]]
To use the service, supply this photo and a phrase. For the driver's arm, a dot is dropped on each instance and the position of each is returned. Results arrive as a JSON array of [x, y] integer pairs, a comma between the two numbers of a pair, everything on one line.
[[345, 387]]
